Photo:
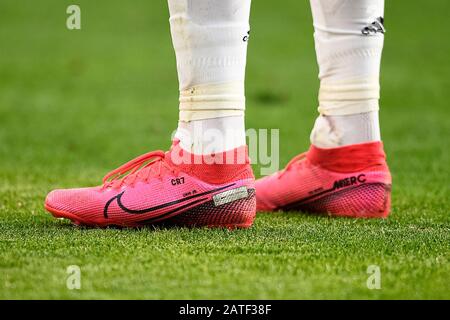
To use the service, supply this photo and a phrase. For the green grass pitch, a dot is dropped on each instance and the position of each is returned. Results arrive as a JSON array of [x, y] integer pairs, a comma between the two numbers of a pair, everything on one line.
[[75, 104]]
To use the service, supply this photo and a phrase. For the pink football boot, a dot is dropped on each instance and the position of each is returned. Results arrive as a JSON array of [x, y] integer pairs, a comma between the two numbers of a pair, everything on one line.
[[174, 188], [350, 181]]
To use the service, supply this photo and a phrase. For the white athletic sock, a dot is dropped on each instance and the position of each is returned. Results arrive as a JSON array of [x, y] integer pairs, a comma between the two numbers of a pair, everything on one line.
[[209, 136], [349, 37], [210, 41], [334, 131]]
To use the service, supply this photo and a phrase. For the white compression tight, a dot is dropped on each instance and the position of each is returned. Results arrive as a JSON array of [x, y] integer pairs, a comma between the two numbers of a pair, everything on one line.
[[349, 37], [210, 40]]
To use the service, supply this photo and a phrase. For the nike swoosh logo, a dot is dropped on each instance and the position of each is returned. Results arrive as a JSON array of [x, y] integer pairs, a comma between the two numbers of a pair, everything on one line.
[[161, 206], [294, 205], [169, 213]]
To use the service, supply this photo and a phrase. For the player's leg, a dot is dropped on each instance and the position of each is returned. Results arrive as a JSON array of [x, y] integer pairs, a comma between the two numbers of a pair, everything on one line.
[[344, 172], [205, 179], [210, 41], [349, 39]]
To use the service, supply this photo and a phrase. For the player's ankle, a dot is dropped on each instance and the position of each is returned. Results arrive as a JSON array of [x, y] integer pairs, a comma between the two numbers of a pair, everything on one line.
[[210, 136], [342, 130]]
